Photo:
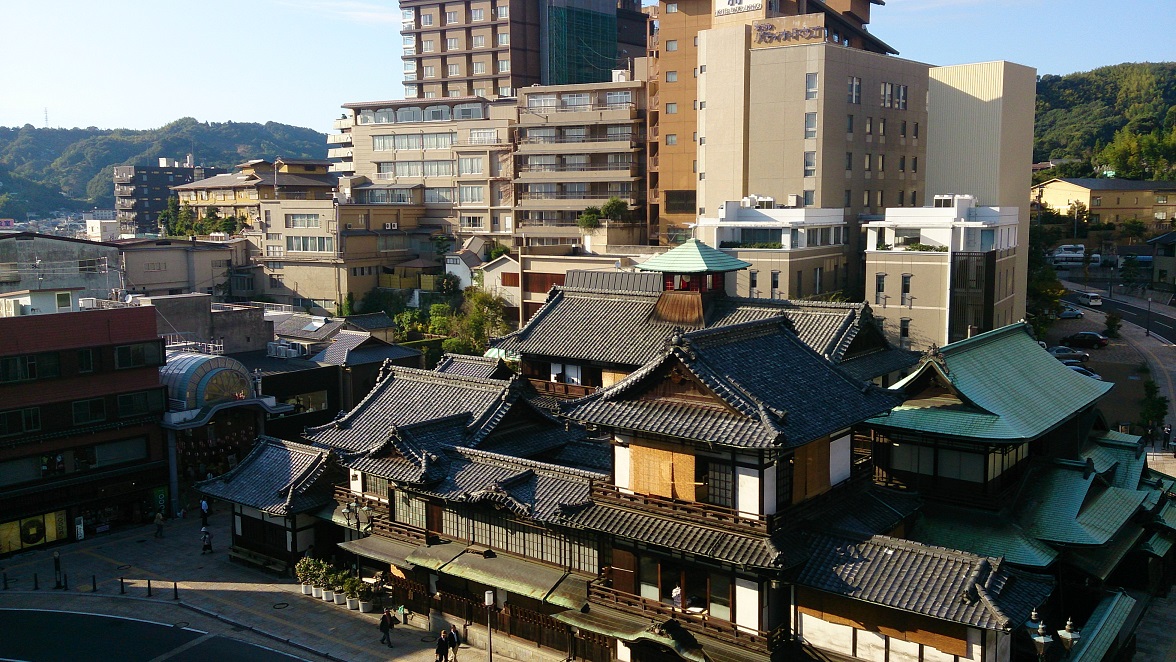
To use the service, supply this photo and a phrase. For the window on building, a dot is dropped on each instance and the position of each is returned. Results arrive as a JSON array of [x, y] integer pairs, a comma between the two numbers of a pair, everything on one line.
[[810, 86], [671, 8], [426, 19], [915, 133], [505, 91], [671, 76], [906, 290], [470, 165], [849, 123], [471, 194], [478, 41], [429, 71], [671, 108], [137, 355], [866, 198], [848, 199], [1161, 199], [900, 97], [869, 126], [901, 195], [450, 17], [19, 421], [914, 201], [848, 161], [753, 281], [914, 168], [798, 285], [479, 68], [902, 164], [477, 15], [427, 46], [855, 90], [503, 66], [810, 164], [904, 333], [451, 44], [809, 197], [902, 129], [376, 486], [310, 244], [881, 126], [1096, 201], [89, 411], [138, 404], [887, 95], [775, 281], [810, 125], [881, 202], [818, 278], [671, 139], [868, 162], [880, 289], [502, 11], [503, 39], [671, 45], [881, 163], [453, 70]]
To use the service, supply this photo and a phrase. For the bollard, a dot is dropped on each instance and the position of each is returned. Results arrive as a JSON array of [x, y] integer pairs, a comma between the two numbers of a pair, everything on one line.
[[175, 591], [93, 583], [148, 588], [122, 587], [65, 582], [36, 586]]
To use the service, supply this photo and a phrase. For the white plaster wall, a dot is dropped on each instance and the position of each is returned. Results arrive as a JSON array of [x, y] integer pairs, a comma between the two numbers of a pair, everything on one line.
[[828, 636], [623, 652], [305, 539], [935, 655], [747, 490], [903, 651], [356, 483], [770, 490], [840, 451], [747, 607], [871, 646], [621, 467]]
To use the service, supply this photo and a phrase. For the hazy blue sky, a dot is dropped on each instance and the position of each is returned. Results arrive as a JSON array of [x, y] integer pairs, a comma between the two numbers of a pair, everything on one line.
[[142, 63]]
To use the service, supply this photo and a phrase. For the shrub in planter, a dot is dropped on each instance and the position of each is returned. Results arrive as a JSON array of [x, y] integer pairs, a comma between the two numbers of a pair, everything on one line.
[[367, 597], [305, 571], [351, 587], [337, 580]]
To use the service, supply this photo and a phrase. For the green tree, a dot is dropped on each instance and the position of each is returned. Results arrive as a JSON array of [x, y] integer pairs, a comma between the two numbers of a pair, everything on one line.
[[1078, 216], [1153, 408], [589, 218], [614, 209], [168, 217], [498, 250], [1114, 322], [1130, 269], [1134, 229], [448, 285]]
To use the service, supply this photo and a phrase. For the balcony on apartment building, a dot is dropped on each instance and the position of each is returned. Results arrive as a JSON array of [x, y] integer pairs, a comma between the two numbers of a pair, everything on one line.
[[125, 203], [564, 200], [597, 143], [123, 191], [339, 139], [124, 176], [342, 123], [341, 153], [585, 113], [588, 172]]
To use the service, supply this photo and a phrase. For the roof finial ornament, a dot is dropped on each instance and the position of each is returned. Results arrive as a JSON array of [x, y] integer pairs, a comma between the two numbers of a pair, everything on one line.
[[933, 355]]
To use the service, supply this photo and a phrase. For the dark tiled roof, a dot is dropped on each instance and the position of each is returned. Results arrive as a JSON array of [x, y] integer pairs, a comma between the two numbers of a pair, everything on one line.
[[1164, 239], [261, 179], [359, 348], [1113, 184], [933, 581], [307, 327], [474, 366], [642, 282], [371, 321], [865, 509], [278, 477], [744, 367], [881, 362], [404, 397], [272, 365], [619, 327]]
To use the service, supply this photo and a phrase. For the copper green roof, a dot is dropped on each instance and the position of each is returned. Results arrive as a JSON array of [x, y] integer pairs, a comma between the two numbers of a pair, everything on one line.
[[1067, 503], [1118, 457], [693, 257], [1008, 388], [1159, 544], [1101, 630], [982, 533]]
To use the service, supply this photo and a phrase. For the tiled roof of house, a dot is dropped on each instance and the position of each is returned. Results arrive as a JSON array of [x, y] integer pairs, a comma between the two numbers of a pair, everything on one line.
[[308, 327], [744, 367], [639, 282], [1068, 502], [1102, 629], [620, 327], [359, 348], [371, 321], [981, 532], [693, 257], [474, 366], [1003, 386], [1118, 457], [936, 582], [277, 477], [1114, 184]]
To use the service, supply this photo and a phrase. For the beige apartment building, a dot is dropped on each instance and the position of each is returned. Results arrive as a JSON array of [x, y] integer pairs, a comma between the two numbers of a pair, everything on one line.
[[240, 193], [452, 154], [578, 146], [945, 272], [156, 267], [312, 253], [1109, 200], [677, 94], [794, 253]]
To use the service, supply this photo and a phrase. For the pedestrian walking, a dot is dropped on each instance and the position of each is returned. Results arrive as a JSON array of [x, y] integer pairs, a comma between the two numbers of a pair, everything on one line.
[[159, 524], [453, 643], [1167, 434], [206, 541], [443, 646], [386, 625], [204, 512]]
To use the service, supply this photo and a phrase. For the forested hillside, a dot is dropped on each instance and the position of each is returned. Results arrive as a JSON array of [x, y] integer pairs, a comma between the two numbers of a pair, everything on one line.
[[1121, 118], [42, 170]]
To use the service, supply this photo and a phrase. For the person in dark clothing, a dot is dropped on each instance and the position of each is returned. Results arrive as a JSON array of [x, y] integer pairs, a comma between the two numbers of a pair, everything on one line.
[[453, 643], [206, 541], [443, 647], [204, 512], [386, 627]]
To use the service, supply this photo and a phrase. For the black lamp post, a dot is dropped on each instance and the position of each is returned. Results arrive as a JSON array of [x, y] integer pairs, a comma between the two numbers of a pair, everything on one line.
[[1069, 636], [1147, 325]]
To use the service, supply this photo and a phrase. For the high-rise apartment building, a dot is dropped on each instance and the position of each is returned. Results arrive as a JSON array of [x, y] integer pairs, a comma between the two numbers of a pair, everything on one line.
[[677, 94], [495, 47], [141, 192]]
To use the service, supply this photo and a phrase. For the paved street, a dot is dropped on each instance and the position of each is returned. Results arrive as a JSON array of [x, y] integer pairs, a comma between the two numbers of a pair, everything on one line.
[[216, 596]]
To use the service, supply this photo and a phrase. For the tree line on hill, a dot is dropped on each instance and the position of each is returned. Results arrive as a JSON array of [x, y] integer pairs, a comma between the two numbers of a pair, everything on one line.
[[44, 170]]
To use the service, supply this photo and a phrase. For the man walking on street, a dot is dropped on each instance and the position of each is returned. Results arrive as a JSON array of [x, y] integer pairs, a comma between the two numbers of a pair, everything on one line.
[[206, 541], [386, 627], [453, 643], [159, 524], [443, 647], [204, 512]]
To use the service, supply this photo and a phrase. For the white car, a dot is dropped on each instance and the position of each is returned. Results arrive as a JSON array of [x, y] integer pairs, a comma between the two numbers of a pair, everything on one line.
[[1090, 298]]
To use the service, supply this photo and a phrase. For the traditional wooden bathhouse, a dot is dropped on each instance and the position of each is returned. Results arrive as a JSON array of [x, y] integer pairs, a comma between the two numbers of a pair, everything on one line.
[[599, 326], [1008, 449]]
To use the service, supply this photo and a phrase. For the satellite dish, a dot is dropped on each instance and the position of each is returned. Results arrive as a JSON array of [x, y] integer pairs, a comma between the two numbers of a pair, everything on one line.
[[617, 264]]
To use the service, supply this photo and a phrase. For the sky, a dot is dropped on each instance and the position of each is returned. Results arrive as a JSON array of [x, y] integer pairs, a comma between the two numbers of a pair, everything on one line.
[[140, 64]]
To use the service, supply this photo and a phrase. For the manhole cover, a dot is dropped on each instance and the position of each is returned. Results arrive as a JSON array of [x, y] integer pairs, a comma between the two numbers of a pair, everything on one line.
[[281, 605], [124, 566]]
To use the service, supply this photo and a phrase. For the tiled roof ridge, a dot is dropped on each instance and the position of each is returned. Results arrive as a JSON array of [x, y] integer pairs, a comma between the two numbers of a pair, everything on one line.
[[984, 338], [628, 295], [797, 304], [731, 332], [306, 478], [467, 357], [552, 297], [914, 546], [846, 332], [539, 467]]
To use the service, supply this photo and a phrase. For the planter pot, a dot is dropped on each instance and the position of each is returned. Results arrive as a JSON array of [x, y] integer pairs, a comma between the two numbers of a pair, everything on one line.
[[340, 598], [353, 603], [307, 589], [316, 591], [328, 595], [367, 607]]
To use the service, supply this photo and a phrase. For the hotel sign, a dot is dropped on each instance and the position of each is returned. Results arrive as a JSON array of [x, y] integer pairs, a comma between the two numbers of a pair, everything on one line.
[[768, 33], [736, 7]]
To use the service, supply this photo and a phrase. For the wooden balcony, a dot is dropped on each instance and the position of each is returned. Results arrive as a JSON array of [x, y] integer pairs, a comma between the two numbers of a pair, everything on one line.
[[701, 623], [561, 390], [701, 513], [382, 522]]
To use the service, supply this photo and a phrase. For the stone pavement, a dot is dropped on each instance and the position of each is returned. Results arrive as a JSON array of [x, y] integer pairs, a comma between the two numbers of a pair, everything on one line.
[[215, 595]]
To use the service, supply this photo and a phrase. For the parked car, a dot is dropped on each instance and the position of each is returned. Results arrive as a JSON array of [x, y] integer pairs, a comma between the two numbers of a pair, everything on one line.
[[1086, 372], [1071, 363], [1086, 339], [1061, 352], [1089, 298], [1069, 313]]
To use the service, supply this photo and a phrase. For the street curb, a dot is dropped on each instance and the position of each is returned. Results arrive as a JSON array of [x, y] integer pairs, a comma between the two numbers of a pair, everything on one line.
[[203, 612], [1147, 334]]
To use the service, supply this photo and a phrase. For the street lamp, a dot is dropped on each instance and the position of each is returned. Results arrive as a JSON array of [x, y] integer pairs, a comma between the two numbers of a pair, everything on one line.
[[1069, 636], [1041, 641], [1147, 326], [353, 509], [489, 602]]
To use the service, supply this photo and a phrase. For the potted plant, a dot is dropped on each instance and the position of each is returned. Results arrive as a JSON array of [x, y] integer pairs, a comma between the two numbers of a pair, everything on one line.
[[304, 570], [352, 586], [367, 597], [328, 583], [340, 578], [318, 576]]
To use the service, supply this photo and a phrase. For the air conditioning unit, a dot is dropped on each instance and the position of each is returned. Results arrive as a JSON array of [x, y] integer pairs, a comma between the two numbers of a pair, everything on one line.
[[292, 352], [793, 200], [391, 226], [88, 303]]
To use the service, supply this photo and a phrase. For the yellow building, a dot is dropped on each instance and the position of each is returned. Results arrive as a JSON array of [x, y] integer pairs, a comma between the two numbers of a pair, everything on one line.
[[240, 193], [1112, 200]]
